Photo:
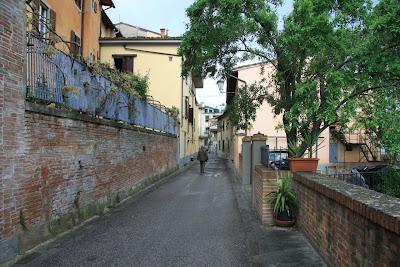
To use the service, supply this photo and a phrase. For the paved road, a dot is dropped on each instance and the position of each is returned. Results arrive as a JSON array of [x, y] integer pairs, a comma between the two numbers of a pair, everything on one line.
[[191, 220]]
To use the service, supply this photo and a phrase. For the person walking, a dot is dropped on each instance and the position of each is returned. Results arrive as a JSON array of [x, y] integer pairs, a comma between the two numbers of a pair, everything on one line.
[[202, 156]]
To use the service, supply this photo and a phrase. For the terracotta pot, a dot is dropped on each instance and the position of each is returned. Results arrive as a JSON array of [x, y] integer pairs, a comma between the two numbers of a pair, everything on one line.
[[303, 164]]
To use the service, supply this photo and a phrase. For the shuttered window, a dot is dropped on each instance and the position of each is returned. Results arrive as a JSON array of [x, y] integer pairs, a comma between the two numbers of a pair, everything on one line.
[[75, 46], [124, 63]]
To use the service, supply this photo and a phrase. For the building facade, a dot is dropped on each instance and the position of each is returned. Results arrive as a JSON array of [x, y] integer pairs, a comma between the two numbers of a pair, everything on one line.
[[332, 152], [158, 59], [73, 26], [208, 124]]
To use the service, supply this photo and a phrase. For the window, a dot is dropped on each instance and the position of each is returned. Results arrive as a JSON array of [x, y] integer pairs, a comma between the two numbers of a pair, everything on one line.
[[43, 17], [94, 6], [78, 3], [124, 63], [186, 107], [191, 118], [207, 118], [75, 45]]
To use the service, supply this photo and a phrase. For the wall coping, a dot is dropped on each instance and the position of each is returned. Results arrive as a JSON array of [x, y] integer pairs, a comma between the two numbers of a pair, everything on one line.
[[379, 208], [76, 115]]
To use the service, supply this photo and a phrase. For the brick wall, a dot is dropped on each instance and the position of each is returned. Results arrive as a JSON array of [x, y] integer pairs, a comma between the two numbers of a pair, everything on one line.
[[59, 168], [265, 181], [12, 55], [73, 167], [348, 224]]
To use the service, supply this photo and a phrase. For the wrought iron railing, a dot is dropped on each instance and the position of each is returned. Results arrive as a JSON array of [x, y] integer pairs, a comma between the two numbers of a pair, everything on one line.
[[371, 179], [55, 77]]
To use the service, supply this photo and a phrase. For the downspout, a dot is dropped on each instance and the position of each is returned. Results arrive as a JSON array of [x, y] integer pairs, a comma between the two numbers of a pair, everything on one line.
[[82, 25], [181, 125]]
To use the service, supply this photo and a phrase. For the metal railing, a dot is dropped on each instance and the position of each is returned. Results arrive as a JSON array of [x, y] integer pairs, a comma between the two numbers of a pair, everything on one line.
[[370, 180], [55, 77]]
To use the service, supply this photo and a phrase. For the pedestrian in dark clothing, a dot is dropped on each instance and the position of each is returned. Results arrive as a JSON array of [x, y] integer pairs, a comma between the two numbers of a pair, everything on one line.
[[202, 156]]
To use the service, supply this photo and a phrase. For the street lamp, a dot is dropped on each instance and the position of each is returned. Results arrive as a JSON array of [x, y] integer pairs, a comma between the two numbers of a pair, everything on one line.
[[221, 84]]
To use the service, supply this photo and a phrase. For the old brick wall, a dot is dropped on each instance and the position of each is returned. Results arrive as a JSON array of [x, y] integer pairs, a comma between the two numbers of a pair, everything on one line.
[[74, 167], [348, 224], [59, 168], [265, 181], [12, 55]]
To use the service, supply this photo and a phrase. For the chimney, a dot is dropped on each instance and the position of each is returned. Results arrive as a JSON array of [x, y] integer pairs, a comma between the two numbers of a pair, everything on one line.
[[163, 33]]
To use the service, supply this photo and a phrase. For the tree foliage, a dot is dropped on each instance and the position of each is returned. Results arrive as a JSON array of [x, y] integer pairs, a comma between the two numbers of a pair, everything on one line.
[[380, 117], [242, 110], [327, 57]]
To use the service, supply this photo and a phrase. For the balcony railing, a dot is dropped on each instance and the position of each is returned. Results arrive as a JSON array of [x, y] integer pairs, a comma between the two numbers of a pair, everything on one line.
[[55, 77]]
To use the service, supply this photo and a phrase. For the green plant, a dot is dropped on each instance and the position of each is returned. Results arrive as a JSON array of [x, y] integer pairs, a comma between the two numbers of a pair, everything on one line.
[[243, 107], [172, 112], [306, 143], [71, 89], [283, 199], [134, 84], [295, 149], [390, 183]]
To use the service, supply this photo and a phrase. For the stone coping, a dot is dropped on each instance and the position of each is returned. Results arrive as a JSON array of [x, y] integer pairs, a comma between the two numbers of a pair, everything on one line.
[[259, 137], [75, 115], [379, 208]]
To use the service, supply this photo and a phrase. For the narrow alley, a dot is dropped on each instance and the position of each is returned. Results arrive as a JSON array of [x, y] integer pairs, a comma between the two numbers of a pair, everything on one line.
[[191, 220]]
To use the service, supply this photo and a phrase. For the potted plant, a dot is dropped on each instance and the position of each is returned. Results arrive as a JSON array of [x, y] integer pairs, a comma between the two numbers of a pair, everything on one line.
[[284, 203], [299, 163]]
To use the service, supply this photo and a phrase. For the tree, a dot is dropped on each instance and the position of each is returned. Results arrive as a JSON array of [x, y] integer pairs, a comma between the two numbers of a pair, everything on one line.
[[380, 118], [242, 110], [328, 55]]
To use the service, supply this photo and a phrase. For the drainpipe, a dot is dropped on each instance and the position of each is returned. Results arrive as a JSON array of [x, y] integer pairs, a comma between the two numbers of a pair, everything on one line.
[[181, 124], [82, 25]]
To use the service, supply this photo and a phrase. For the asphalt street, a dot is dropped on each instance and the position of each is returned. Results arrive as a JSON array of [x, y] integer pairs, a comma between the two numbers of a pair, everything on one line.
[[192, 219]]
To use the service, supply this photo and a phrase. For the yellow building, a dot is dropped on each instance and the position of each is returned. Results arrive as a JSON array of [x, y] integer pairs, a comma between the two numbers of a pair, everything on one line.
[[73, 25], [157, 58]]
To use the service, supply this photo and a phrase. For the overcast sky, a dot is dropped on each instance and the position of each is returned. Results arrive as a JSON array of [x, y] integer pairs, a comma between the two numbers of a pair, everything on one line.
[[169, 14]]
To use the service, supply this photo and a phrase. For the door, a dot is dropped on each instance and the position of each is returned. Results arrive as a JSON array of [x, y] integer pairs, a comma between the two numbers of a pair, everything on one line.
[[333, 151]]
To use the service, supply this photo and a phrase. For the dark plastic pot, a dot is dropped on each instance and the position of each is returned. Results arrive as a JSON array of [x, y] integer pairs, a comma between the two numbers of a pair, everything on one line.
[[284, 219]]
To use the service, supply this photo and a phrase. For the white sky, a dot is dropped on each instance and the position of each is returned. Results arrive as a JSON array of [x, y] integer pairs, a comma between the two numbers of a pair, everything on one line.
[[170, 14]]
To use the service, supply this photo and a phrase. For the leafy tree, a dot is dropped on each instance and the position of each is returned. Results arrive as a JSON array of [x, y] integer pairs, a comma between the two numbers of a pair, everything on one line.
[[380, 118], [328, 55], [242, 110]]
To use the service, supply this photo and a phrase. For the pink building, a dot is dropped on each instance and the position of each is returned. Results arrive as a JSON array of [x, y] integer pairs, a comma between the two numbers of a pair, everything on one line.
[[331, 152]]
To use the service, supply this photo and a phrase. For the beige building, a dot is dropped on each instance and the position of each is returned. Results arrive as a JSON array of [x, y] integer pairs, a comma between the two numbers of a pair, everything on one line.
[[128, 30], [353, 148], [157, 58]]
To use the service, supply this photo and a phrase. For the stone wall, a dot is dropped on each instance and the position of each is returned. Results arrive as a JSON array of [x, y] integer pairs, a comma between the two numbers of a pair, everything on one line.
[[348, 224], [265, 181]]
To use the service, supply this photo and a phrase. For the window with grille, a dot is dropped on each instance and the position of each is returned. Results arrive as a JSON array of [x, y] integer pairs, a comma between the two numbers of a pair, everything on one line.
[[43, 17]]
